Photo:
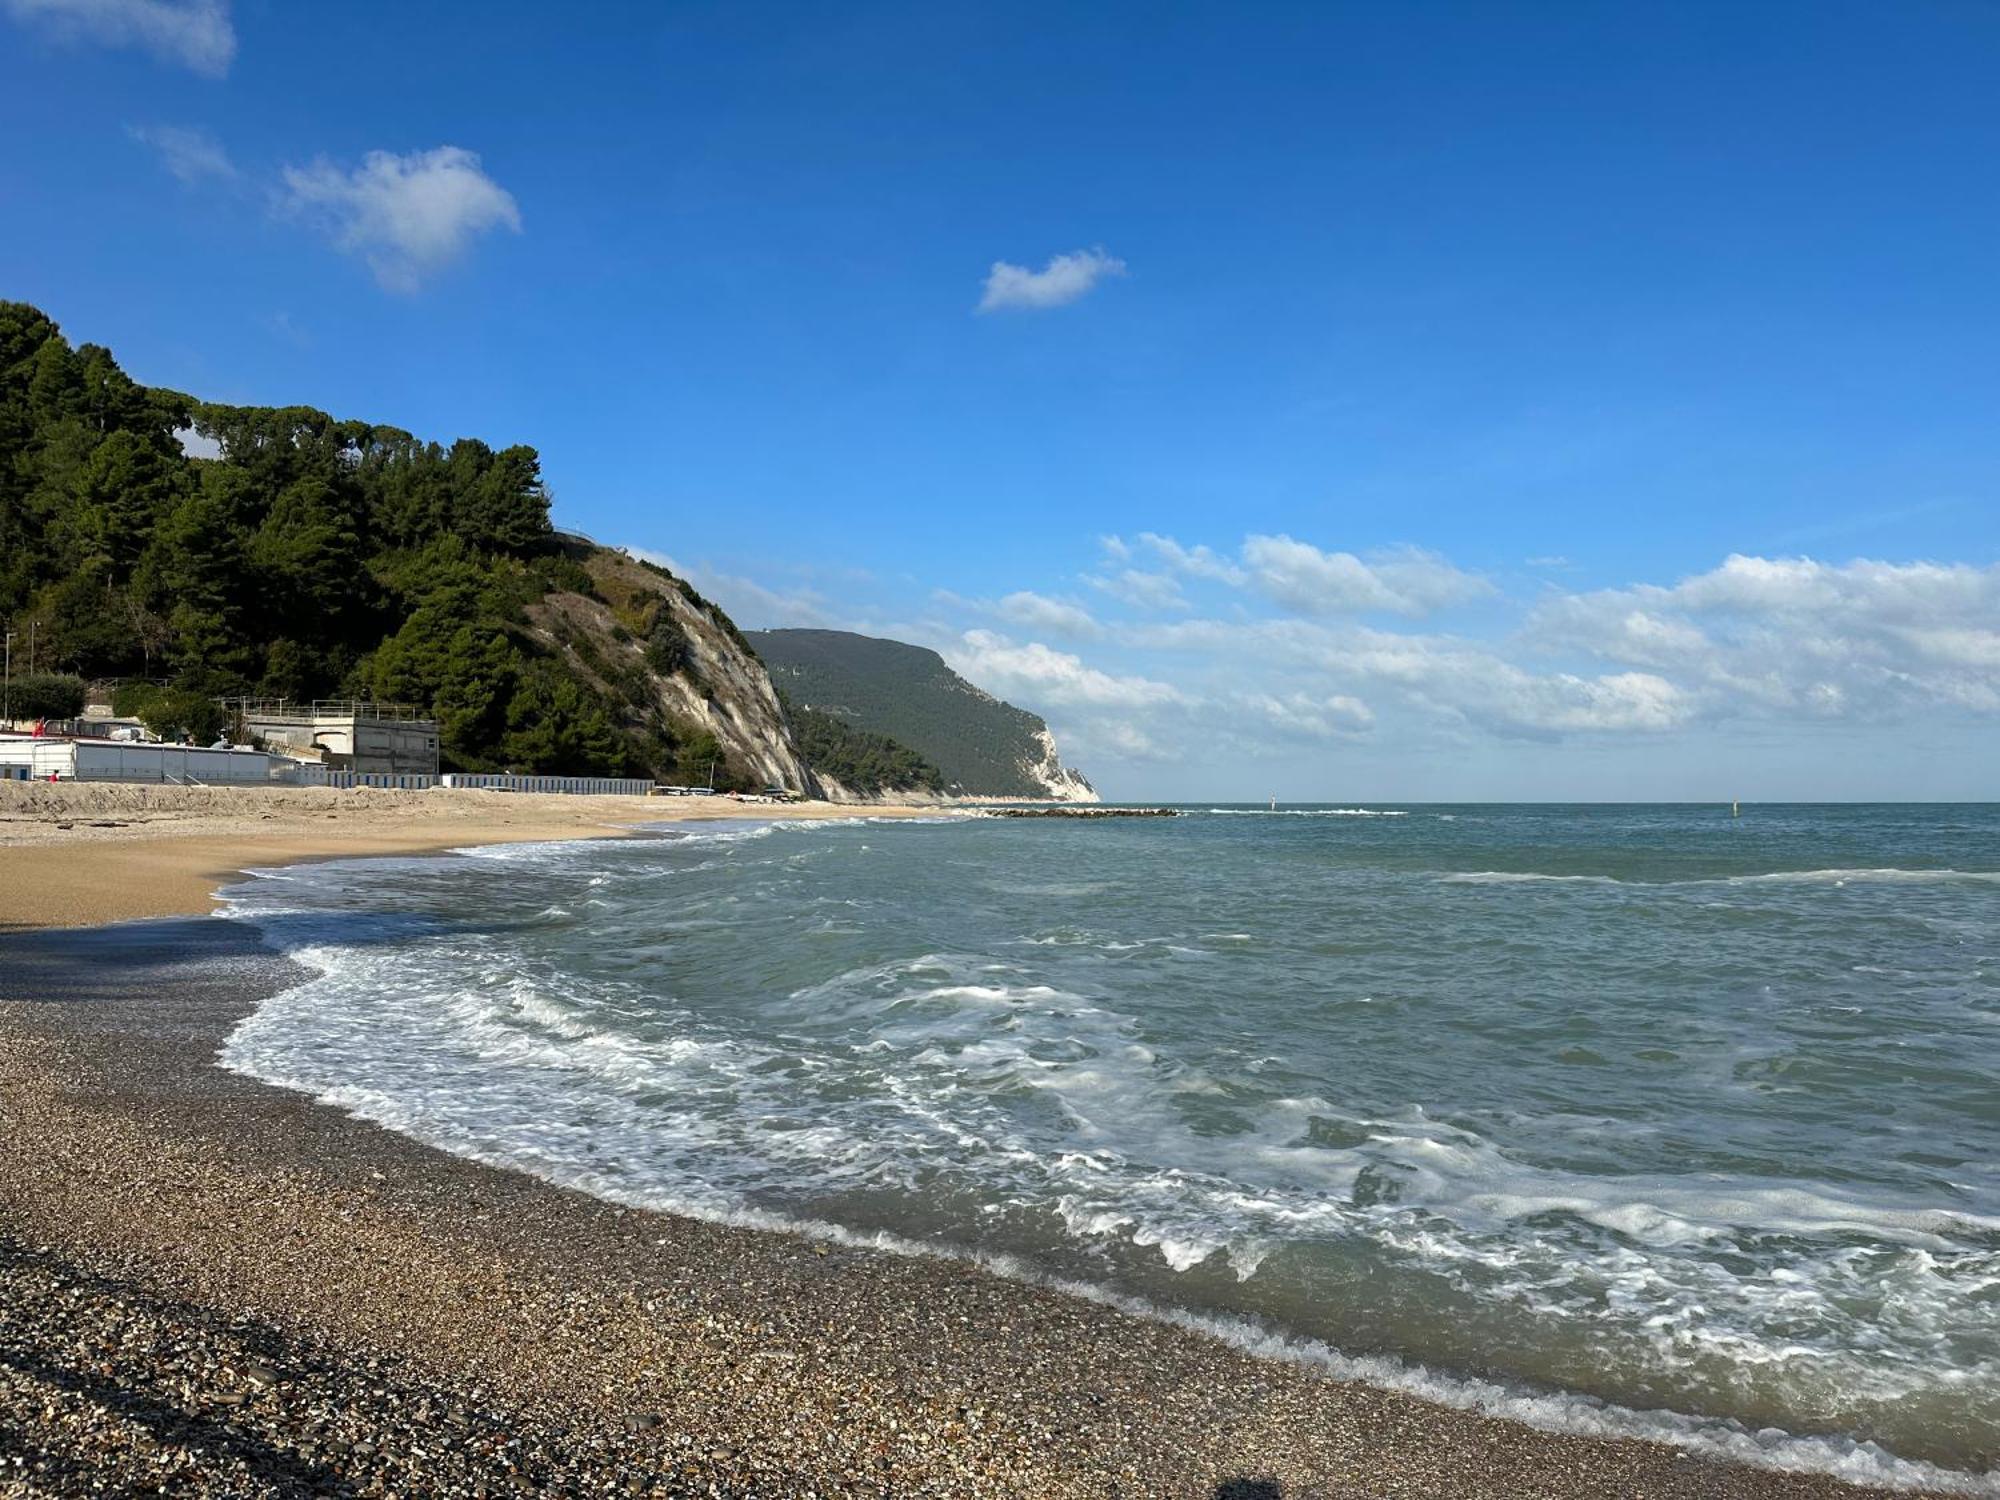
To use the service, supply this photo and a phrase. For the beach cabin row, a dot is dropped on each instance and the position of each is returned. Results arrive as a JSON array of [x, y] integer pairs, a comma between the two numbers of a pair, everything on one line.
[[312, 773], [576, 786]]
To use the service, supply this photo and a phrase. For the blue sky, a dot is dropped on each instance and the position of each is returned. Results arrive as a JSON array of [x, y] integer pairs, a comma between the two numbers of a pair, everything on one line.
[[1324, 401]]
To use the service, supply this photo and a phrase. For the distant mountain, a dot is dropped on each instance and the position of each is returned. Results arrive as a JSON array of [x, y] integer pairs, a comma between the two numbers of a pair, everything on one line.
[[983, 747]]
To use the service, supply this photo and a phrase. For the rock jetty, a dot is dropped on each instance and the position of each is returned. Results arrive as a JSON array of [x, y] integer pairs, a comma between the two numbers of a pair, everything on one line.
[[1086, 812]]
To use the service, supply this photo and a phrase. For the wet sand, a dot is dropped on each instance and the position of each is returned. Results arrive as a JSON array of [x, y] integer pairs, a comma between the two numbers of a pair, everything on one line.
[[210, 1286]]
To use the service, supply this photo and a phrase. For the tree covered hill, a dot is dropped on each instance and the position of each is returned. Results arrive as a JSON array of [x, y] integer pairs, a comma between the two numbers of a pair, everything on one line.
[[317, 557], [982, 747], [860, 763]]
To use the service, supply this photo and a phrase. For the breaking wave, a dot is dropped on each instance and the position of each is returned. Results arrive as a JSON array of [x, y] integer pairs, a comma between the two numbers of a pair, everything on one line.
[[1181, 1106]]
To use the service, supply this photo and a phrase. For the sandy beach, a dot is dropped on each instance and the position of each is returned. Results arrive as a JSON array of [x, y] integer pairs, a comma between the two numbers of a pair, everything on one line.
[[76, 854], [216, 1287]]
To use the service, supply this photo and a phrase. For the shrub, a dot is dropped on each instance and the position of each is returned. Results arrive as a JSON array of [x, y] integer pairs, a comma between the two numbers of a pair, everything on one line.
[[129, 697], [668, 649], [174, 713], [46, 695]]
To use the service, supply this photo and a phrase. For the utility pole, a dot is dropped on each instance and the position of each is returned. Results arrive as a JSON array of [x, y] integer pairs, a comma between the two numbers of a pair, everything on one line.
[[7, 686]]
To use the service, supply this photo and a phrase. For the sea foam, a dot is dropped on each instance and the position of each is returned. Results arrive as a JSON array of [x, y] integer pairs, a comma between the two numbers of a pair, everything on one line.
[[1072, 1112]]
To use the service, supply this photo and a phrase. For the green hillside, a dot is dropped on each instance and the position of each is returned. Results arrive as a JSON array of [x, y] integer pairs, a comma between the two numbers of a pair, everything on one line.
[[982, 746], [864, 763], [317, 557]]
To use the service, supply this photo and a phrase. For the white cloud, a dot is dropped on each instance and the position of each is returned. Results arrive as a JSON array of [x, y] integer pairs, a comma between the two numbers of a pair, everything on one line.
[[1563, 703], [1792, 653], [407, 216], [1801, 586], [1797, 636], [1034, 611], [1471, 682], [196, 34], [1306, 716], [1442, 678], [191, 154], [1777, 640], [1771, 641], [1118, 738], [1064, 279], [1299, 575], [1140, 589], [1197, 561], [1410, 581], [1042, 675]]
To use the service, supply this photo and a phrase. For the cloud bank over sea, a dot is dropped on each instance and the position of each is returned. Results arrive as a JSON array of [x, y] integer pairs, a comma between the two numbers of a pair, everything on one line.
[[1161, 663]]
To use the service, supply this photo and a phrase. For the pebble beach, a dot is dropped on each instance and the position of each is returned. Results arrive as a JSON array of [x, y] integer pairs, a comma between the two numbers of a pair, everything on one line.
[[214, 1287]]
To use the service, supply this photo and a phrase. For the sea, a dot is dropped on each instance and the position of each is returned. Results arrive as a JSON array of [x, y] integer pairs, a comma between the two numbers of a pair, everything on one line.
[[1616, 1119]]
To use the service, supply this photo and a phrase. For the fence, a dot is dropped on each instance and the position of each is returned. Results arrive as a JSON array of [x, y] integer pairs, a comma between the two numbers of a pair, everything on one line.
[[581, 786], [307, 711], [402, 781], [23, 759]]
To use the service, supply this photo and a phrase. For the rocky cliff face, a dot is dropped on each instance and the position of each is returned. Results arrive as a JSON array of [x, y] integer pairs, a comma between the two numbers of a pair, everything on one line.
[[1064, 783], [677, 670], [717, 686]]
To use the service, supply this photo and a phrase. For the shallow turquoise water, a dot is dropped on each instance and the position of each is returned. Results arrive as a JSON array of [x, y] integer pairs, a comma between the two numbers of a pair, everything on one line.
[[1631, 1105]]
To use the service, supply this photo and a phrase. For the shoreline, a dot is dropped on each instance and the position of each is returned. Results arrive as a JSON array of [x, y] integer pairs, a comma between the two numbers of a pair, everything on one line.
[[83, 854], [631, 1346]]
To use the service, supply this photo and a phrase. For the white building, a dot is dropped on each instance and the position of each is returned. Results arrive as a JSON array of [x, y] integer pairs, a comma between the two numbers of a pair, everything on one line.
[[344, 734], [41, 758]]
